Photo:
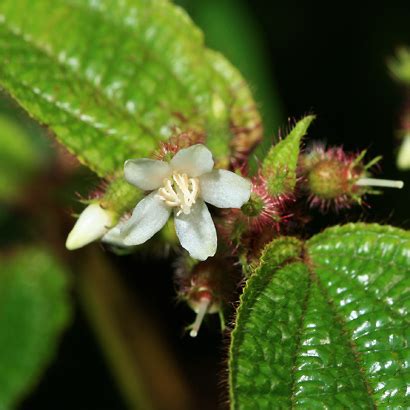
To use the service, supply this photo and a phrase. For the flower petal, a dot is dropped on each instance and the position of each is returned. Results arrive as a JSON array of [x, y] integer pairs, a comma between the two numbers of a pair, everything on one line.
[[149, 216], [146, 174], [194, 161], [113, 237], [224, 189], [196, 231]]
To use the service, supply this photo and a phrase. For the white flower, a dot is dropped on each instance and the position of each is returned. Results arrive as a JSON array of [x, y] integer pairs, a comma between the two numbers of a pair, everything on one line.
[[182, 186], [92, 224]]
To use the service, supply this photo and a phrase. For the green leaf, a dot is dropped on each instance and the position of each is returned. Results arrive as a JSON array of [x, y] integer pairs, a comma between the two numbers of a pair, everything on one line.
[[328, 328], [231, 28], [364, 270], [250, 368], [112, 78], [19, 158], [34, 309], [242, 116], [279, 165]]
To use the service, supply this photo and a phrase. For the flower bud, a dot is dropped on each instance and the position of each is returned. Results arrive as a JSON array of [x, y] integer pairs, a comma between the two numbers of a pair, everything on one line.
[[248, 229], [93, 224], [167, 149], [335, 179], [205, 287], [327, 179]]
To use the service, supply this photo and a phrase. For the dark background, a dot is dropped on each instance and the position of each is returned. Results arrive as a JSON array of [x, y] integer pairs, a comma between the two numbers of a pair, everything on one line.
[[319, 57]]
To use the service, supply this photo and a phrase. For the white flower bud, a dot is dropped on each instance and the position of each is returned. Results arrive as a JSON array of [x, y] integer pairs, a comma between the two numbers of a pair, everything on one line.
[[93, 224]]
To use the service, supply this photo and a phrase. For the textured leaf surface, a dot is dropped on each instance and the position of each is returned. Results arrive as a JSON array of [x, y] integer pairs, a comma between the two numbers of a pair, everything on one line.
[[329, 329], [231, 28], [34, 310], [251, 360], [280, 163], [112, 78]]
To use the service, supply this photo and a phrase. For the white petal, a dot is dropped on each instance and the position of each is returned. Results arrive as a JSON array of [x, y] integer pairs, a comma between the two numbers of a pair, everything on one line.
[[196, 231], [92, 224], [113, 236], [194, 161], [146, 174], [224, 189], [149, 216]]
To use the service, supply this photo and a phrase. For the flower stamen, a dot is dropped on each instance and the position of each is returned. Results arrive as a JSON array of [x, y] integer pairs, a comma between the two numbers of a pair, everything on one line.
[[180, 191], [200, 314], [385, 183]]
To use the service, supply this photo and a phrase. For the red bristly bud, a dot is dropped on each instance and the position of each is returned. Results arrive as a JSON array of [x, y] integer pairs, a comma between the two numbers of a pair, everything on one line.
[[257, 222], [168, 149], [205, 287], [264, 211], [335, 179]]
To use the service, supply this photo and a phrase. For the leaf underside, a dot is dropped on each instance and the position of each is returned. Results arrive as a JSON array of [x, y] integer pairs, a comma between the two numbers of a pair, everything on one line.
[[111, 78], [34, 309], [329, 326]]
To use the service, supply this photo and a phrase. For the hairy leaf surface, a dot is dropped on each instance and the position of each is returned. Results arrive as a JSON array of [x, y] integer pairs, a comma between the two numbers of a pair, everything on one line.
[[279, 165], [113, 78], [329, 327]]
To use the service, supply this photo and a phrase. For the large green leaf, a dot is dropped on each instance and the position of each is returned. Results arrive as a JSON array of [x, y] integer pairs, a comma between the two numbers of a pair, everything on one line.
[[34, 309], [113, 78], [327, 328], [231, 28]]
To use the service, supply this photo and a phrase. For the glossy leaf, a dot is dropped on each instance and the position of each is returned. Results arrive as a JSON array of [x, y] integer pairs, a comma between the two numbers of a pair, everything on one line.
[[112, 78], [231, 28], [251, 353], [34, 309], [279, 165], [327, 328]]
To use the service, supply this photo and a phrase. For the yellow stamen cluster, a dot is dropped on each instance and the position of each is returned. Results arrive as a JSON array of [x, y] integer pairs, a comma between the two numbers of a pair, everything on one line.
[[180, 192]]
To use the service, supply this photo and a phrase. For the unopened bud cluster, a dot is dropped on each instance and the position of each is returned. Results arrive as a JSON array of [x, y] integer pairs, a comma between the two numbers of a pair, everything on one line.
[[206, 287]]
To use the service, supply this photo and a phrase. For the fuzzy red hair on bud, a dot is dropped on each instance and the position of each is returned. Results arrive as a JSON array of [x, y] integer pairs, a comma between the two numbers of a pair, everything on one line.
[[167, 149], [335, 179], [264, 211], [205, 286], [259, 220]]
